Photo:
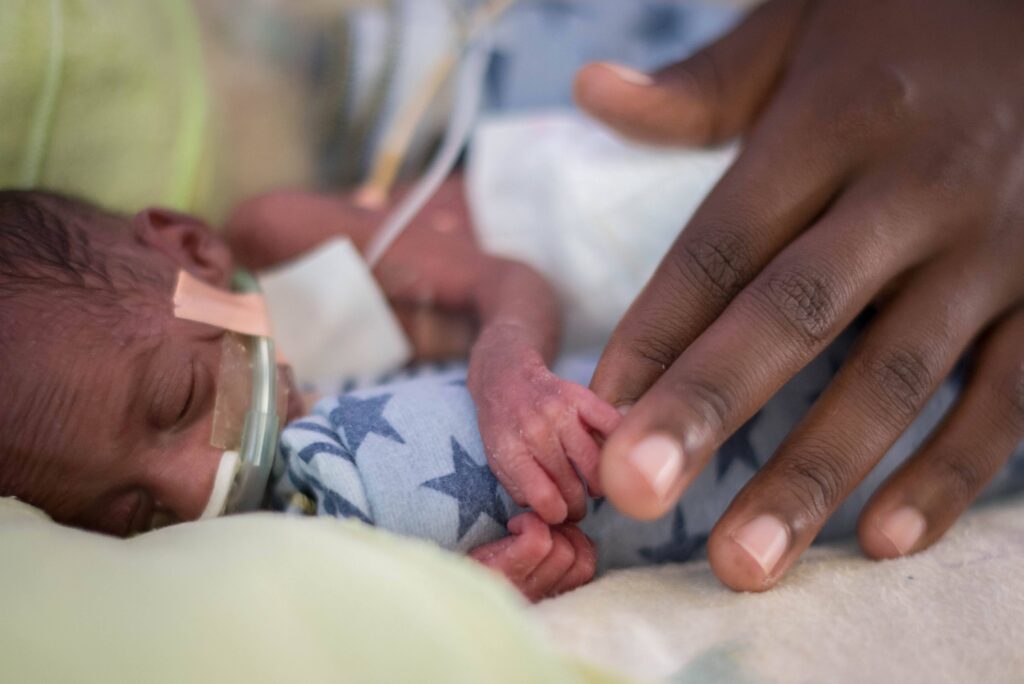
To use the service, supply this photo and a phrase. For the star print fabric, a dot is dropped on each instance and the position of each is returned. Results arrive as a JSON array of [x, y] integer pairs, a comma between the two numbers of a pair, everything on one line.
[[405, 455]]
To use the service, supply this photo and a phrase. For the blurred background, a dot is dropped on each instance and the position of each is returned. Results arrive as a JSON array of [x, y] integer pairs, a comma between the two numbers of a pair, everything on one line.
[[304, 91]]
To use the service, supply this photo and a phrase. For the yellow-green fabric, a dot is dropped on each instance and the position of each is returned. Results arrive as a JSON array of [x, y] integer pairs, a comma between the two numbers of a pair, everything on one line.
[[257, 598], [104, 99]]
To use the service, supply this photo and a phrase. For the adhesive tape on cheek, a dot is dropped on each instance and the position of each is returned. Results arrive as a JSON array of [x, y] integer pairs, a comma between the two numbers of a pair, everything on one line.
[[225, 477], [197, 301]]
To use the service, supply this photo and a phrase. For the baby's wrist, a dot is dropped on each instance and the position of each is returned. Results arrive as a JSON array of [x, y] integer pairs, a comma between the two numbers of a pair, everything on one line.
[[499, 358]]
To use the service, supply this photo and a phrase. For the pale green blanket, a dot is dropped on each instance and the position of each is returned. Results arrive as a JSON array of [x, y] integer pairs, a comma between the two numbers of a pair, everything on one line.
[[104, 99], [256, 598]]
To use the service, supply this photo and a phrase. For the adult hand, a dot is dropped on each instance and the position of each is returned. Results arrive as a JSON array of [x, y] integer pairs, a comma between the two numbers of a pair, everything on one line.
[[884, 152]]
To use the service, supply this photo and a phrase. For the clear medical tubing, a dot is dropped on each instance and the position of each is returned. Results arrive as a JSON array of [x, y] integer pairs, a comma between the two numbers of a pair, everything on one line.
[[469, 92], [262, 423]]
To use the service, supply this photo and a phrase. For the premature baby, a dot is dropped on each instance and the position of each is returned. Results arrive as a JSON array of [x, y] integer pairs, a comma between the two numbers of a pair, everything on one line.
[[112, 395]]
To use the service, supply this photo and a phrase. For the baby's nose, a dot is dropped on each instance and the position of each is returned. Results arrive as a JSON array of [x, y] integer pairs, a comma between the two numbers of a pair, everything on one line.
[[183, 485]]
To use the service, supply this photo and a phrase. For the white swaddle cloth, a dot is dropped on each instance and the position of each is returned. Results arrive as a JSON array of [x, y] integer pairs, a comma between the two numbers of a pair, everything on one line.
[[593, 213]]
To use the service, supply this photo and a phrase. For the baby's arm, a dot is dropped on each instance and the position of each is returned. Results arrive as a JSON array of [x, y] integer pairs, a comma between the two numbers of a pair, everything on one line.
[[417, 273], [535, 426]]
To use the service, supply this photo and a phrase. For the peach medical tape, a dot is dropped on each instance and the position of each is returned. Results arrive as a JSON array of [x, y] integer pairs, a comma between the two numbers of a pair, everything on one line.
[[250, 394], [243, 313]]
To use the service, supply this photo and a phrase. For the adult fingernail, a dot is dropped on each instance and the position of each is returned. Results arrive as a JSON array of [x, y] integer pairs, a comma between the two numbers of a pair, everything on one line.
[[631, 76], [904, 527], [765, 538], [659, 460]]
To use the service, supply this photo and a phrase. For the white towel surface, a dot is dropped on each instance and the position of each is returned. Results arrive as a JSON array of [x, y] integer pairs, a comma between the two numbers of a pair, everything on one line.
[[954, 613]]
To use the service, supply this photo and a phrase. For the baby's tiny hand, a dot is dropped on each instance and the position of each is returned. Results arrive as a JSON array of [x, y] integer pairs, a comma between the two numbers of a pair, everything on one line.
[[541, 561], [535, 428]]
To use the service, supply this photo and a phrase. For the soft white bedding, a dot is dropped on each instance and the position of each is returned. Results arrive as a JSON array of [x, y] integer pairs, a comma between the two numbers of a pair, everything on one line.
[[954, 613]]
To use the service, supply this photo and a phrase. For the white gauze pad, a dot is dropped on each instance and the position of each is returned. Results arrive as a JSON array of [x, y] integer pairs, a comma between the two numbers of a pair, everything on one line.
[[330, 318]]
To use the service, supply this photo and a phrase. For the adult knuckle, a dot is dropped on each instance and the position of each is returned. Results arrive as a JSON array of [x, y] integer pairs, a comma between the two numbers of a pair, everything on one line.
[[944, 171], [805, 300], [657, 344], [902, 377], [717, 260], [817, 479], [884, 94], [710, 399], [887, 90], [1010, 387], [963, 474]]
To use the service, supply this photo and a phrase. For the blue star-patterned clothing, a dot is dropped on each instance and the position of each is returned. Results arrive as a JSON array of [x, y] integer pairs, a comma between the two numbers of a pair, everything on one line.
[[406, 456]]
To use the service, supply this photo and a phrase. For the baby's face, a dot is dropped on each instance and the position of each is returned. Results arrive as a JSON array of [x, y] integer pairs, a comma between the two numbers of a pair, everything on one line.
[[113, 412]]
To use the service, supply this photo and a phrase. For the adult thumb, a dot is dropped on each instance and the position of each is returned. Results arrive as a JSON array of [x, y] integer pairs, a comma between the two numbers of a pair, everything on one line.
[[703, 100]]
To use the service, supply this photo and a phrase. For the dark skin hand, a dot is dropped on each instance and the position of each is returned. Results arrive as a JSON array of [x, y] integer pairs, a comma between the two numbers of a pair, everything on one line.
[[883, 162]]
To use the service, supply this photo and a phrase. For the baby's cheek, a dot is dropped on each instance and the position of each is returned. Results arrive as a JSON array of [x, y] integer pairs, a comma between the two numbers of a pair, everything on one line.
[[123, 514]]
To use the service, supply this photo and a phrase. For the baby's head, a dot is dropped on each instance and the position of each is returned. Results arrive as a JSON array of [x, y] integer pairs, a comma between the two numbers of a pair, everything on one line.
[[108, 398]]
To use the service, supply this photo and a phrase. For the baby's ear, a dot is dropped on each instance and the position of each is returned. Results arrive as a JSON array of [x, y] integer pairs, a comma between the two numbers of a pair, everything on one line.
[[188, 241]]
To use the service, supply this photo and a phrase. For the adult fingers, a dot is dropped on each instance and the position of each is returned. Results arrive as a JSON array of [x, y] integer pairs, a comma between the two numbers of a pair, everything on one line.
[[584, 563], [704, 99], [882, 387], [926, 496], [787, 315], [776, 188]]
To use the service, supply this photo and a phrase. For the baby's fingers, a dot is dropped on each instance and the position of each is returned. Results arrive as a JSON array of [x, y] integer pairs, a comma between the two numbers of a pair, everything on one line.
[[539, 433], [571, 494], [597, 413], [518, 556], [584, 452], [585, 563], [529, 485], [552, 570]]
